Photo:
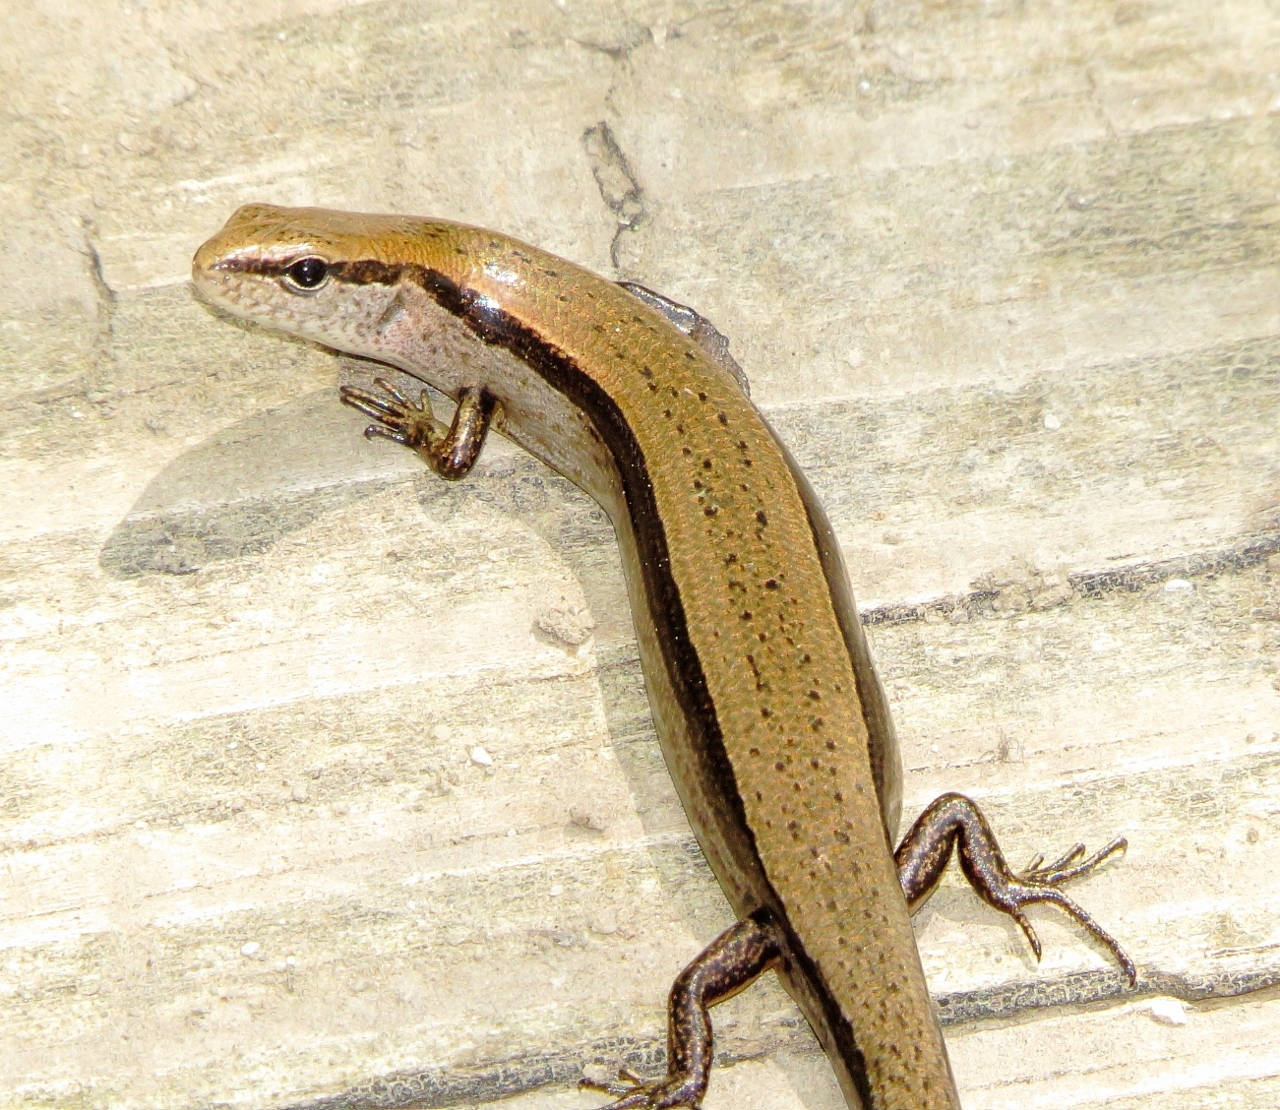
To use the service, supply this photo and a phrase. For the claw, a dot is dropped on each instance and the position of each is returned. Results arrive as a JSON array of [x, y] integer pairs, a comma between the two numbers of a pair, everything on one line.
[[1028, 930], [399, 397], [382, 431], [368, 404]]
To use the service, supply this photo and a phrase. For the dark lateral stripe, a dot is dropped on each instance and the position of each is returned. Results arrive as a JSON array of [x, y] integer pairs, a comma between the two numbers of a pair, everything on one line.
[[253, 264], [562, 373], [501, 329]]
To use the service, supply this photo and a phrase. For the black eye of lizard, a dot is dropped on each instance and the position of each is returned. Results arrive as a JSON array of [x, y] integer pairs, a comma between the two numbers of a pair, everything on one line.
[[308, 273]]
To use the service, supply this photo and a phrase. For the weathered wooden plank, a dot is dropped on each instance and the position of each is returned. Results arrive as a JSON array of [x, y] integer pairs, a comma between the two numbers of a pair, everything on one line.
[[317, 770]]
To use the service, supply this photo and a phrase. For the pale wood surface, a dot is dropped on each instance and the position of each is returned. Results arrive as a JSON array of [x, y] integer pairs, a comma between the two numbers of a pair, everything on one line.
[[316, 770]]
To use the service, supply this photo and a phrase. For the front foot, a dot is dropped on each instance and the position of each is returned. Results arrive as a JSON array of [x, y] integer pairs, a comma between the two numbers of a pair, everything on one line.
[[450, 450], [661, 1094], [395, 416]]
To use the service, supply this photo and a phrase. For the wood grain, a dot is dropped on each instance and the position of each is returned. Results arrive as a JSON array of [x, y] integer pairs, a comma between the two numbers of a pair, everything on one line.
[[318, 771]]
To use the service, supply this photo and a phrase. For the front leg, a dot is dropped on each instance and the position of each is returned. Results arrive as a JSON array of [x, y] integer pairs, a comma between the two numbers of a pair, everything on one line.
[[451, 451], [732, 961], [955, 821]]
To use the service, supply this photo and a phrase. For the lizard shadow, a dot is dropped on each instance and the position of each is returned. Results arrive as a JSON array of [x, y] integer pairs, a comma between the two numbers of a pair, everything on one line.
[[243, 491]]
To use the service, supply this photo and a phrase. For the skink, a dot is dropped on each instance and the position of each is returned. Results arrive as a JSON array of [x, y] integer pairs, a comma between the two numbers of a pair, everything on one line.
[[771, 718]]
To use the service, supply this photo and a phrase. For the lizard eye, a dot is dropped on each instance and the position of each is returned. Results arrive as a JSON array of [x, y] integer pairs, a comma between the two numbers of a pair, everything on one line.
[[307, 274]]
